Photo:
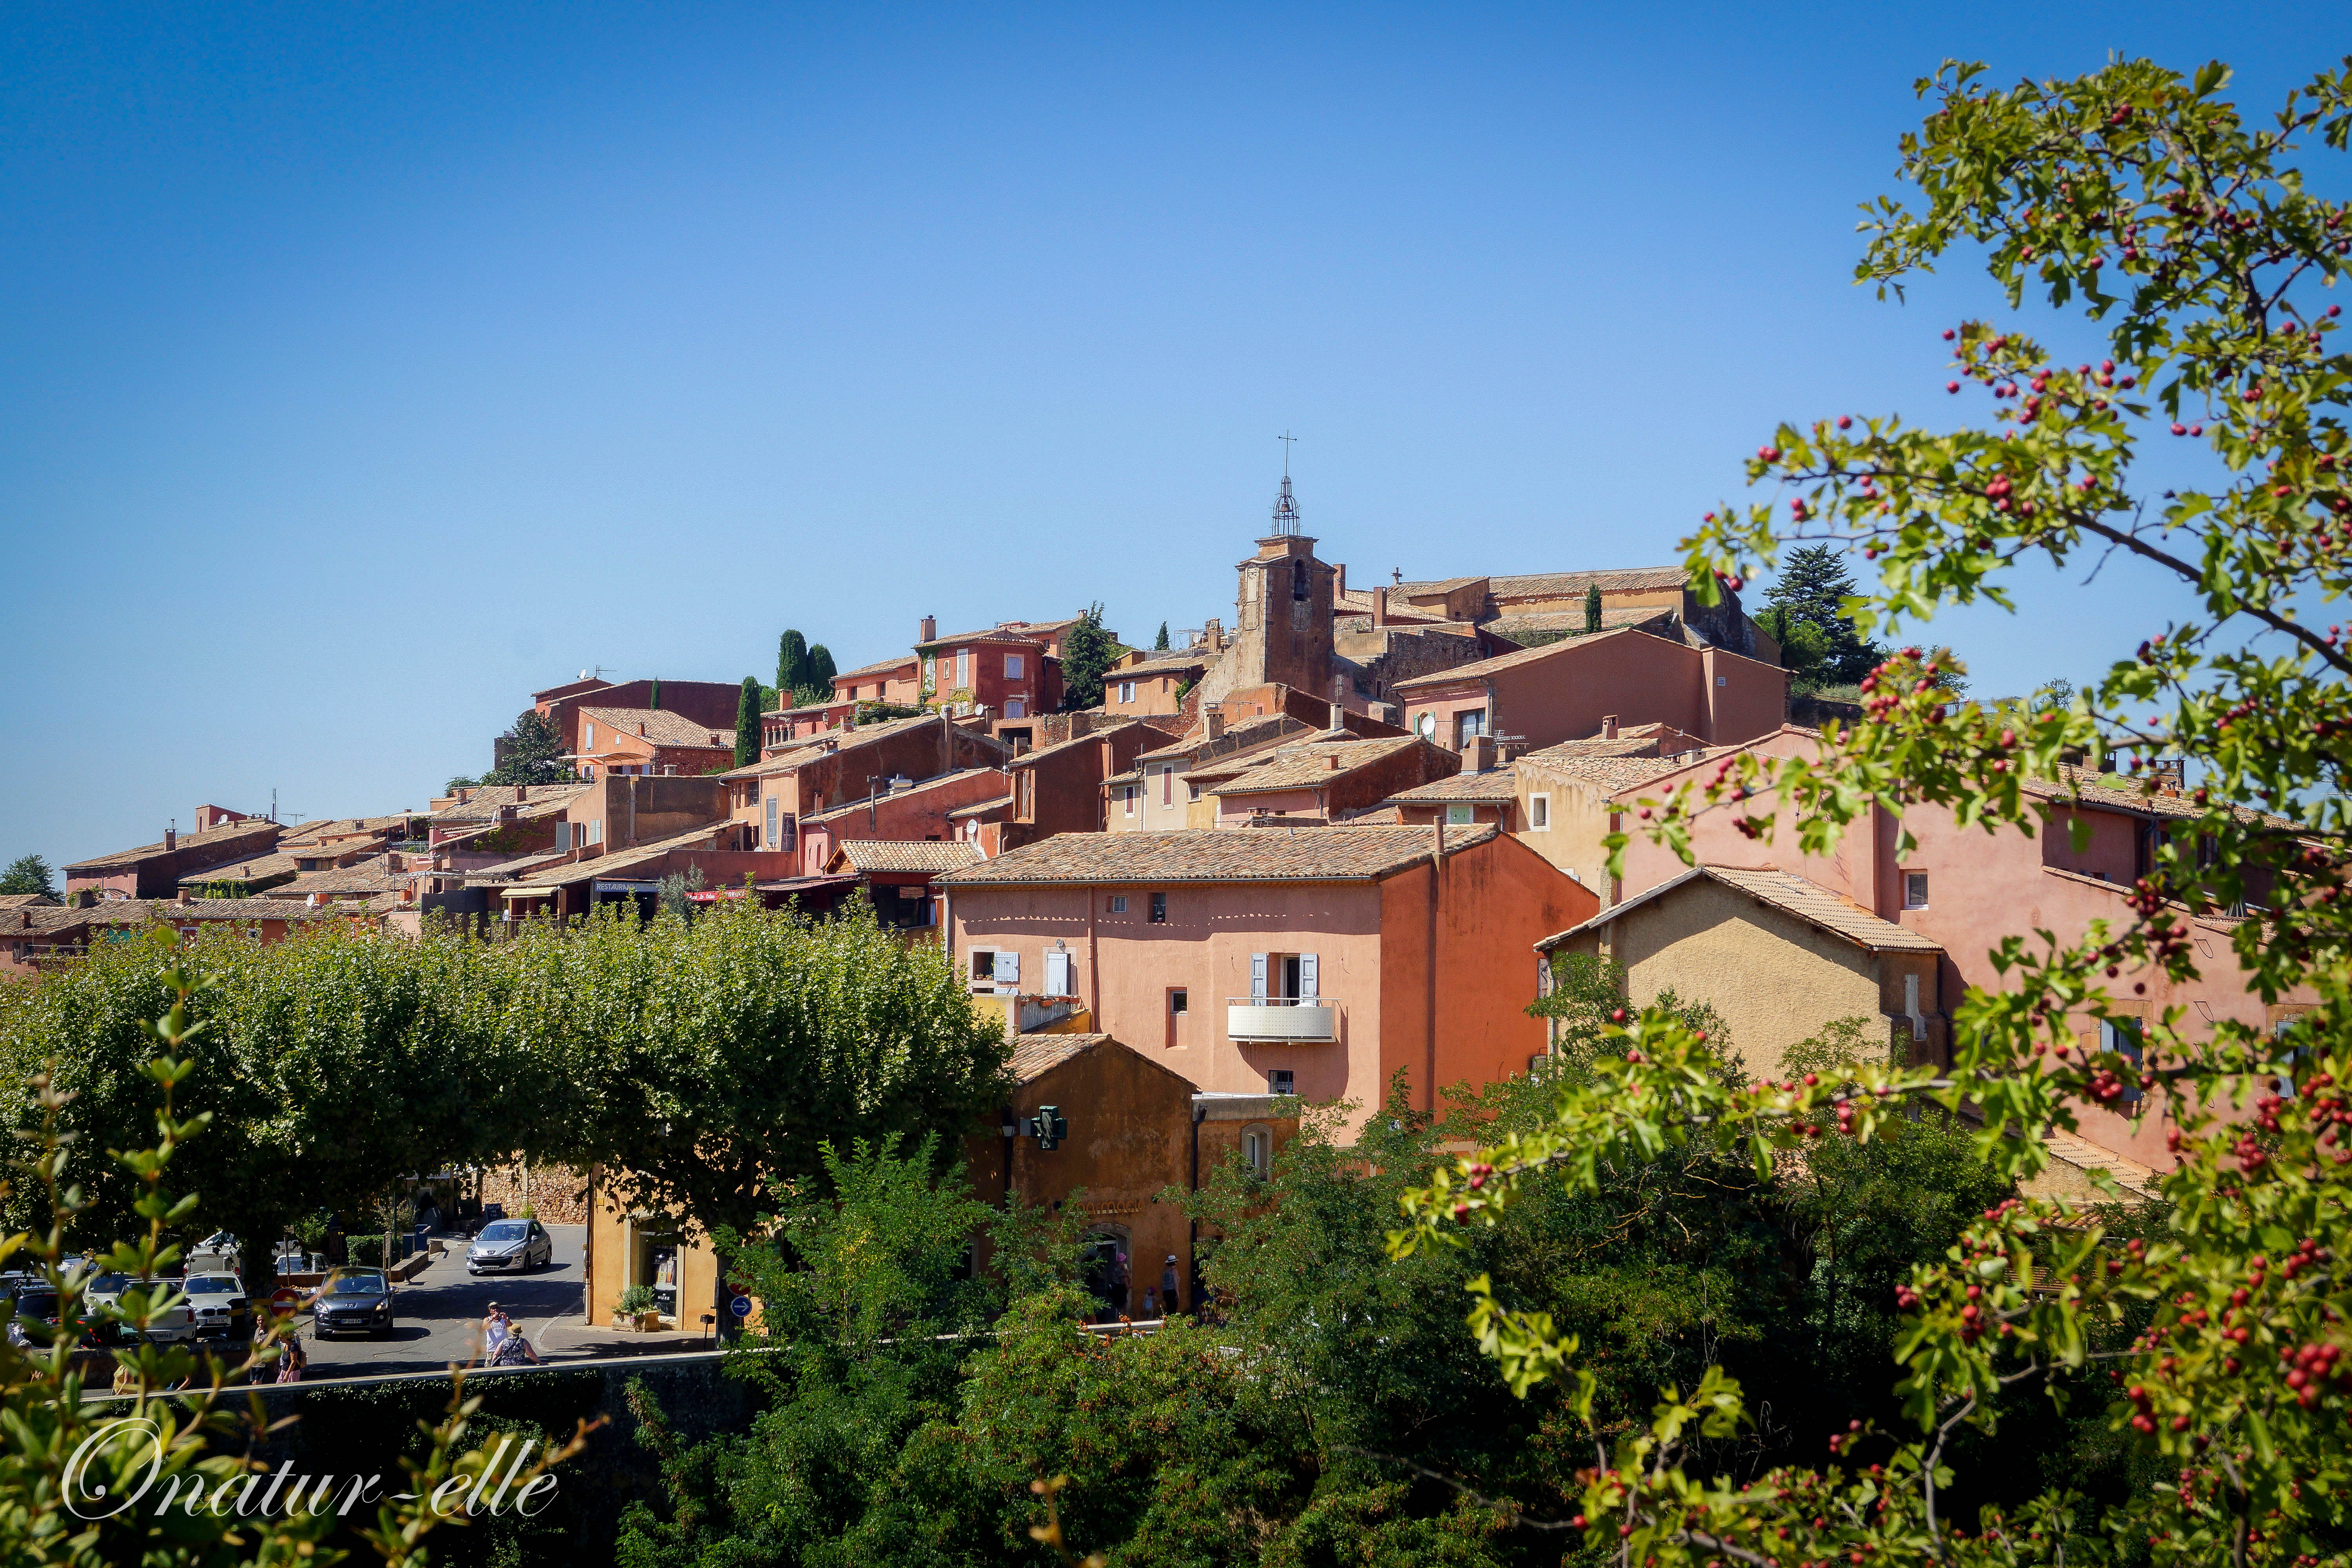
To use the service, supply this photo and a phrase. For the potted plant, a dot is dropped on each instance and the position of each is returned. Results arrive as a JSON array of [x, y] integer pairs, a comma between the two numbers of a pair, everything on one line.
[[636, 1309]]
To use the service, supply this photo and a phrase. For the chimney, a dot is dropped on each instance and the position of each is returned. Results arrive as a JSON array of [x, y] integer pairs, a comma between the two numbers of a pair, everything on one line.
[[640, 729], [1216, 635], [1380, 606], [1339, 579], [171, 838], [930, 627], [1609, 726], [1212, 719], [1331, 762], [183, 894], [1478, 754]]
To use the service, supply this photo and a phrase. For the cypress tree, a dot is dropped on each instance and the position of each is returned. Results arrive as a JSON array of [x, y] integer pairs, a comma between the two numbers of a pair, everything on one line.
[[1161, 645], [1592, 607], [655, 700], [747, 722], [1087, 650], [818, 672], [792, 665]]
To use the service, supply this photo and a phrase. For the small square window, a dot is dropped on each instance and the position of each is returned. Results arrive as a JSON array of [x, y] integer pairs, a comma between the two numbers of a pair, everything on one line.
[[1158, 908], [1915, 890], [1178, 1002], [1539, 813], [2122, 1036], [1127, 691], [1458, 816], [1011, 667], [1278, 1081], [983, 965], [1118, 903]]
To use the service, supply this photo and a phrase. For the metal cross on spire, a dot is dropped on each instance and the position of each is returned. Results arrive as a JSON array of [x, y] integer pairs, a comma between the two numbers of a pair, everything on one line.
[[1286, 505]]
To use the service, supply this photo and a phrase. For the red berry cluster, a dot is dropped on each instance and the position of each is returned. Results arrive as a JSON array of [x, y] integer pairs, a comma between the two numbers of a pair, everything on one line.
[[2309, 1368]]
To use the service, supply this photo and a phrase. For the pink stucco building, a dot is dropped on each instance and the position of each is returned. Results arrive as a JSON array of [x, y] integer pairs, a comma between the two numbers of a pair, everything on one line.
[[1319, 960]]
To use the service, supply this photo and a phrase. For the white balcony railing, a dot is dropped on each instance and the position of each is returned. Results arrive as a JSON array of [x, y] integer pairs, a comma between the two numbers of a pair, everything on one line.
[[1281, 1019]]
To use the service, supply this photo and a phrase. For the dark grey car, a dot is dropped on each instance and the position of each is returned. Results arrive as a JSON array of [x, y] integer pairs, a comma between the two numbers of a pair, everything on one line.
[[358, 1303]]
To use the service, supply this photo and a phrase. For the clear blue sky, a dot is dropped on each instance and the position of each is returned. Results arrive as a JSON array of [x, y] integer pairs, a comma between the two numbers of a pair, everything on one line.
[[367, 367]]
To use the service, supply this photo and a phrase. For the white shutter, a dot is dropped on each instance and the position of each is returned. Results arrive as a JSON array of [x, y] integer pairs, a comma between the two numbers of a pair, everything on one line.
[[1257, 977], [1058, 974], [1307, 991], [1008, 969]]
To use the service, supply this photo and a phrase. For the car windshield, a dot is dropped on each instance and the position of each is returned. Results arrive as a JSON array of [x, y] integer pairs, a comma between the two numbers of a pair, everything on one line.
[[110, 1284], [37, 1304], [212, 1285], [505, 1230], [359, 1285]]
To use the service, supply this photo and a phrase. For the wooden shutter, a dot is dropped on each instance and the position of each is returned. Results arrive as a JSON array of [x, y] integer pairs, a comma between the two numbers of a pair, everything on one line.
[[1307, 991], [1257, 977], [1008, 968], [1168, 784], [1058, 974]]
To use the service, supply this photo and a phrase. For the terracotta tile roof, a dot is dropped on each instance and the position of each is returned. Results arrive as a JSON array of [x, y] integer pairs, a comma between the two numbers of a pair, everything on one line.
[[1562, 584], [813, 746], [905, 855], [228, 831], [1371, 816], [2095, 788], [1313, 765], [345, 826], [1167, 662], [1486, 667], [1035, 1055], [1786, 891], [659, 725], [508, 870], [139, 912], [1218, 855], [1248, 735], [1439, 585], [1613, 618], [373, 875], [1495, 786], [1629, 742], [620, 860], [905, 661], [841, 812], [1026, 758], [260, 868], [28, 901], [1017, 631], [1612, 775], [531, 800], [981, 808]]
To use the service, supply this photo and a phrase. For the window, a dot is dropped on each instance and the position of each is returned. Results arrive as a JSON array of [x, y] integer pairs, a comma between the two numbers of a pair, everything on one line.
[[1538, 814], [1015, 708], [2121, 1037], [562, 835], [1915, 890], [931, 672], [1257, 1148], [1278, 1081], [1191, 792], [1167, 784], [1011, 667], [1058, 974], [1028, 793], [1459, 817], [1127, 691], [1158, 908], [596, 831], [1126, 798], [587, 737], [1298, 578], [1118, 903], [1469, 726], [993, 970], [1178, 1002], [772, 822], [1723, 681], [963, 669]]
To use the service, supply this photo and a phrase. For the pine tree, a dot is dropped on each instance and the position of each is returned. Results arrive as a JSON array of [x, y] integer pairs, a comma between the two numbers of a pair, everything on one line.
[[1162, 645], [655, 700], [534, 754], [1592, 607], [792, 663], [1087, 651], [817, 673], [1813, 587], [747, 722], [27, 874]]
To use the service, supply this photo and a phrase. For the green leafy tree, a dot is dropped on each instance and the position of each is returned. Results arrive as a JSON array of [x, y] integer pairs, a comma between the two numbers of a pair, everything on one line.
[[747, 722], [1804, 647], [2204, 1349], [817, 675], [1810, 590], [533, 753], [27, 874], [1161, 643], [791, 661], [1591, 607], [1087, 650]]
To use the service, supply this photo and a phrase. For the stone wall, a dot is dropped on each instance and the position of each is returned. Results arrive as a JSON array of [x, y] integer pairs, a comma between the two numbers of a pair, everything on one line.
[[558, 1194]]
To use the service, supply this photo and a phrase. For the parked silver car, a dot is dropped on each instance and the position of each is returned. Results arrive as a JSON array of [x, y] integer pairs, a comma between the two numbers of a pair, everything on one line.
[[510, 1246]]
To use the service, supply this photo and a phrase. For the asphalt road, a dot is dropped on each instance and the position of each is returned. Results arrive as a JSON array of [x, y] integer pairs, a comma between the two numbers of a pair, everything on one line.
[[436, 1318]]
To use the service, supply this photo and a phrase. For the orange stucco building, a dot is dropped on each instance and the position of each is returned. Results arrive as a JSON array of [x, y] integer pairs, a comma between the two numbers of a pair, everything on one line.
[[1316, 961]]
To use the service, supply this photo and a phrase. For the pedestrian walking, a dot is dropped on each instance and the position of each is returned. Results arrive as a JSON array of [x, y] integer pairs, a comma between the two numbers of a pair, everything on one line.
[[1171, 1289]]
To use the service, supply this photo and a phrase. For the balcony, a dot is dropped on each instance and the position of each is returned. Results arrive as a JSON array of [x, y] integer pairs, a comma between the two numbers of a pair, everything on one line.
[[1281, 1019]]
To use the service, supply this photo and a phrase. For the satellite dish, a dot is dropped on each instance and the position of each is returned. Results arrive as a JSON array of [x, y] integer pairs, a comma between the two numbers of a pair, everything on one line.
[[583, 675]]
